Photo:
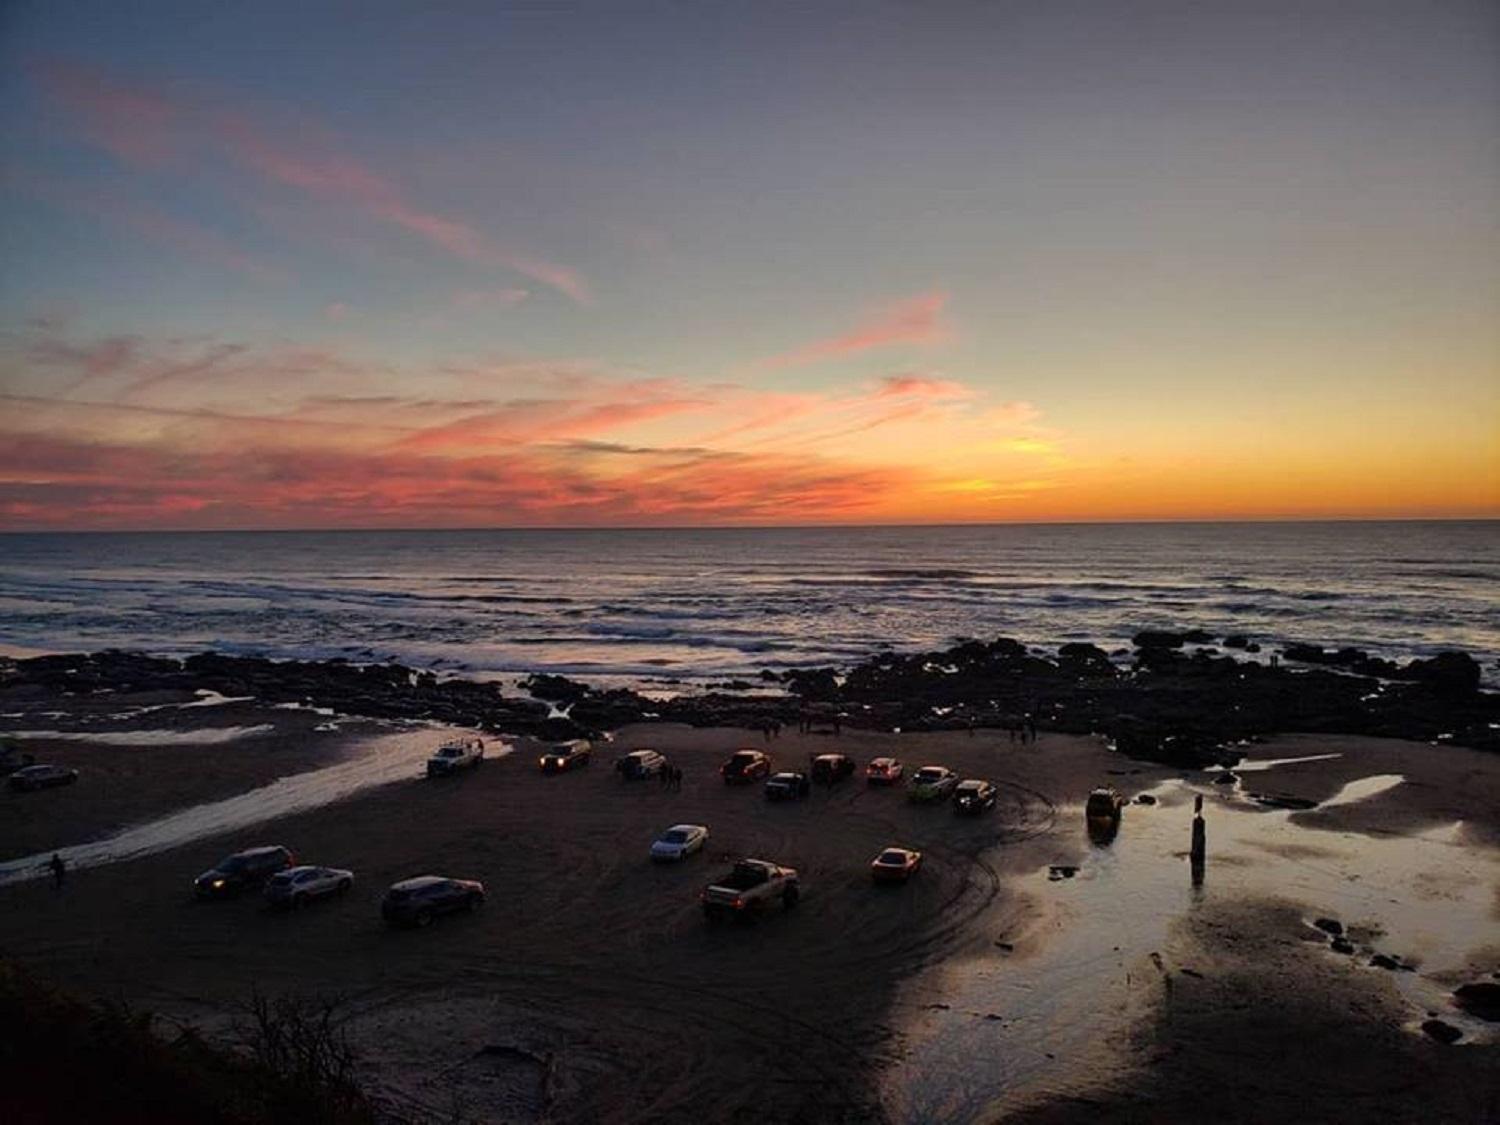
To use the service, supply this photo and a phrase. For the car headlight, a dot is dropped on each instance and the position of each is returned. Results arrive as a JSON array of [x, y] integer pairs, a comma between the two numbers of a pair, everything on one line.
[[217, 883]]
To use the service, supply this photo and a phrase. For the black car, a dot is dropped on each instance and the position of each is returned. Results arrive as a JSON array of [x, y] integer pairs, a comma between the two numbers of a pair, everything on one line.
[[640, 764], [243, 871], [28, 778], [786, 786], [416, 902], [830, 768], [974, 796]]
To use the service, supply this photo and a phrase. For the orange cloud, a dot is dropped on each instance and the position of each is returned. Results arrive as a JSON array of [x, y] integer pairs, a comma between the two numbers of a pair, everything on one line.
[[916, 320], [229, 435]]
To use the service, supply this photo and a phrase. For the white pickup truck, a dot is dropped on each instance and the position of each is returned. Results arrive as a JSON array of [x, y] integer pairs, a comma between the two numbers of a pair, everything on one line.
[[754, 884], [454, 755]]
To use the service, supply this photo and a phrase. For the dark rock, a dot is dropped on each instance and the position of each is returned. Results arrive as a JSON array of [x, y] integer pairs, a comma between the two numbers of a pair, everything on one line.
[[1329, 925], [1281, 801], [1341, 945], [1252, 647], [1145, 799], [1061, 871], [1158, 638], [1442, 1032], [554, 689], [1228, 777], [1453, 673], [1236, 640], [1381, 961], [1481, 999]]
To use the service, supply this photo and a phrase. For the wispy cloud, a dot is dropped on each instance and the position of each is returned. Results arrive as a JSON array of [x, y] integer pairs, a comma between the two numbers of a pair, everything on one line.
[[150, 127], [915, 320]]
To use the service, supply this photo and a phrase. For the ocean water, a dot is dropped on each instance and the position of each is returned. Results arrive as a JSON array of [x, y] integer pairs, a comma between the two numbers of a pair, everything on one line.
[[663, 605]]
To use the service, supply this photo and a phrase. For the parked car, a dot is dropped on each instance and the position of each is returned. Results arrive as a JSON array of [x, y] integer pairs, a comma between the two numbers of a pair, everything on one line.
[[298, 886], [243, 871], [752, 885], [895, 865], [28, 778], [416, 902], [974, 796], [787, 786], [454, 755], [566, 756], [827, 769], [932, 783], [639, 764], [883, 771], [679, 842], [744, 766], [1104, 803]]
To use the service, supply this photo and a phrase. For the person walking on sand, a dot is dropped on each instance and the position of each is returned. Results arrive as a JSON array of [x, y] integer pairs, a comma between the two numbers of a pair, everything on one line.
[[59, 871]]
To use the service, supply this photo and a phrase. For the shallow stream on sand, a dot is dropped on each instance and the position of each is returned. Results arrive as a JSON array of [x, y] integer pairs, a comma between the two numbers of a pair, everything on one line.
[[375, 761], [1010, 1028]]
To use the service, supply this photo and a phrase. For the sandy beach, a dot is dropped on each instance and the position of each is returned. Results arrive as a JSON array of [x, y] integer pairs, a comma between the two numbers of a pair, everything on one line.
[[590, 988]]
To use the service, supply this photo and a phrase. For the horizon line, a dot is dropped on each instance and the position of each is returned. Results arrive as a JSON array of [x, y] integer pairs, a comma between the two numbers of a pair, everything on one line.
[[1207, 521]]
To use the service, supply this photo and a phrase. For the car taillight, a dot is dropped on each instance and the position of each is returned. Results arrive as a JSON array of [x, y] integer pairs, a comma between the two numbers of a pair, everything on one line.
[[739, 904]]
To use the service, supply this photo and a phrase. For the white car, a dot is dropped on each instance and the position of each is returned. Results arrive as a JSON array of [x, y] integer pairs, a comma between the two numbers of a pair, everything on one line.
[[679, 842], [454, 755], [298, 886]]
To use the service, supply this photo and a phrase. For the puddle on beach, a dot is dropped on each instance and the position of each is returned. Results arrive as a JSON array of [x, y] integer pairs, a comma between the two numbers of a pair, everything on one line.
[[1041, 1022], [375, 761]]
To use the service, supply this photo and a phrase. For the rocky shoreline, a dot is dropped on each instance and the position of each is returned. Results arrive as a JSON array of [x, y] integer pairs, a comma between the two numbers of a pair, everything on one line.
[[1177, 700]]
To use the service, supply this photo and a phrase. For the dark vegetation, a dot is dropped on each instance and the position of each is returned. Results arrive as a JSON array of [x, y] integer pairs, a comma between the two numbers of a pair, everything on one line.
[[71, 1062]]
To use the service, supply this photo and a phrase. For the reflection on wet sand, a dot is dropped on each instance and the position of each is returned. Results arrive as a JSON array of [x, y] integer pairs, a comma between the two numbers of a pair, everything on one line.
[[1015, 1029]]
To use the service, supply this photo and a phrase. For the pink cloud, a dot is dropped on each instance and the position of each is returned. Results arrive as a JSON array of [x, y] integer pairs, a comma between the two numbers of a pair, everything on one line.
[[342, 179], [549, 420], [146, 127], [922, 386], [916, 320], [135, 125]]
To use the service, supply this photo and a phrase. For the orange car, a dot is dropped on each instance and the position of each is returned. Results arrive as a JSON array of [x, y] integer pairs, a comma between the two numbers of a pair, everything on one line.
[[895, 865]]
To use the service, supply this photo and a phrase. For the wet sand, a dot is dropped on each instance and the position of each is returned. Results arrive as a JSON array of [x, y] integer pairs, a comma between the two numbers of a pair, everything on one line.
[[130, 782], [590, 989]]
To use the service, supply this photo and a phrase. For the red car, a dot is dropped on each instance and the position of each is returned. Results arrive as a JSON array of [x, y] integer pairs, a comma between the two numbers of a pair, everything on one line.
[[883, 771], [895, 865], [744, 766]]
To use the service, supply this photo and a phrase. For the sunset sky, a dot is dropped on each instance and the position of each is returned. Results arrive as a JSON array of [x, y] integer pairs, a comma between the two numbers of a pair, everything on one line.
[[371, 265]]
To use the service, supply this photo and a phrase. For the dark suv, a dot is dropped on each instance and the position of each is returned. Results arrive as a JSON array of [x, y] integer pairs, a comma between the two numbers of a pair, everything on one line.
[[829, 768], [416, 902], [243, 871]]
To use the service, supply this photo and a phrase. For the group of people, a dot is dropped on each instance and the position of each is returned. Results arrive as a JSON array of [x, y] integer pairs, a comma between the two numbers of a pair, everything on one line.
[[806, 721], [670, 778], [1022, 730]]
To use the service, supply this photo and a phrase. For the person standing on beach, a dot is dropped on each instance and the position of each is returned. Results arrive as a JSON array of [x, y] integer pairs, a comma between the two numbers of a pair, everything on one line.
[[59, 871]]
